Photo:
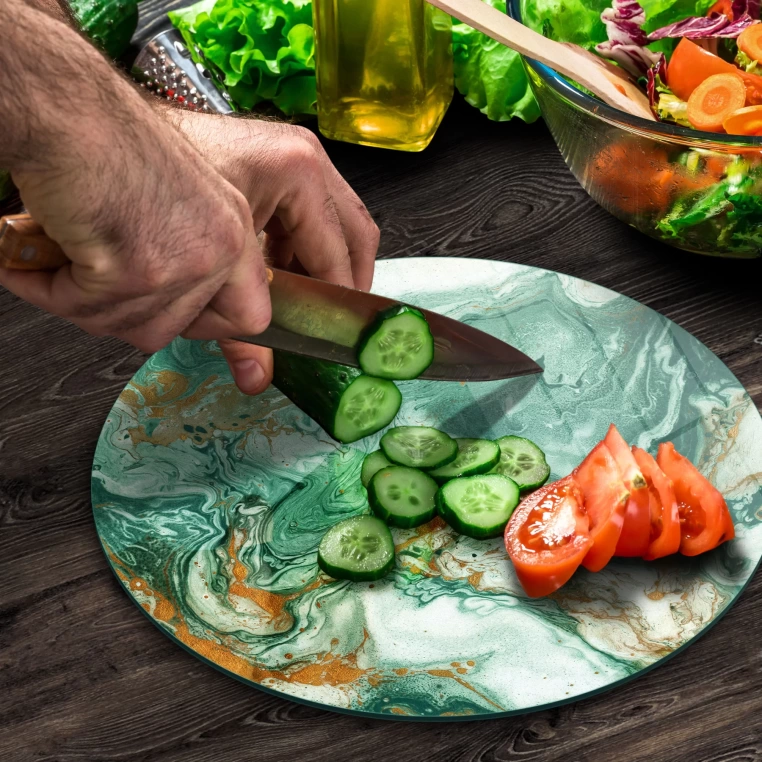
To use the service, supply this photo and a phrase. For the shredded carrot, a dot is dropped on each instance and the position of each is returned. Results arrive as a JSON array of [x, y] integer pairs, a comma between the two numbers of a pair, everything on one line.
[[750, 41], [714, 100], [744, 121]]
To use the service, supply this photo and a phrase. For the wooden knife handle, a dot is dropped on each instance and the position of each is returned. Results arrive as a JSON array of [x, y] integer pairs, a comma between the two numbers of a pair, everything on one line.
[[24, 245]]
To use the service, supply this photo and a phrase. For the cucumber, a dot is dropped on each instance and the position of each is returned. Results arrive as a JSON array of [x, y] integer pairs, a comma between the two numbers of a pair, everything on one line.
[[523, 461], [398, 345], [418, 447], [346, 403], [478, 506], [403, 497], [475, 456], [110, 24], [360, 549], [371, 464]]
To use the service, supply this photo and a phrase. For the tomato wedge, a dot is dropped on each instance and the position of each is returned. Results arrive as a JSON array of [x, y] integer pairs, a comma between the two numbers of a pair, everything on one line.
[[705, 521], [548, 536], [665, 518], [636, 531], [605, 501]]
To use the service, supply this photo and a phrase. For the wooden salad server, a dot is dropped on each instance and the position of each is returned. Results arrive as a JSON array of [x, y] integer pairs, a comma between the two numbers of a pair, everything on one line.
[[610, 83]]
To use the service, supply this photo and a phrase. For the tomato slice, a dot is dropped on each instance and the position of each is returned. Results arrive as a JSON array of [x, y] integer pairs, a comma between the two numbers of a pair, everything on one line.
[[636, 531], [665, 518], [705, 521], [605, 501], [548, 536]]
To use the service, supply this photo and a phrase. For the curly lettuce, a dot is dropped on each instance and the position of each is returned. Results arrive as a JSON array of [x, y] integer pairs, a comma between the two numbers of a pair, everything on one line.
[[491, 76], [262, 50]]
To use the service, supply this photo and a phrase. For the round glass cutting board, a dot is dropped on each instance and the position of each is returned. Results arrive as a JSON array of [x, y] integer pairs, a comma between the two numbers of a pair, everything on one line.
[[210, 506]]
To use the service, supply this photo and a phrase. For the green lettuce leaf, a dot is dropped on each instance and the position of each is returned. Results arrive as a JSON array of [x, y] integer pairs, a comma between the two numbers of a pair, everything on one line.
[[746, 63], [579, 21], [262, 50], [728, 211], [491, 76]]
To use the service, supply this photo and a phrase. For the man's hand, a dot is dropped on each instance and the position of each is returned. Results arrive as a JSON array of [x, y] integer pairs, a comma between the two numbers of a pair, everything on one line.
[[163, 236], [314, 223]]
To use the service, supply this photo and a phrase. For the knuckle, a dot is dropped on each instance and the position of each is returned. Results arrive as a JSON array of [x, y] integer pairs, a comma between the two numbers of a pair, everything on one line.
[[301, 155], [156, 276], [372, 233]]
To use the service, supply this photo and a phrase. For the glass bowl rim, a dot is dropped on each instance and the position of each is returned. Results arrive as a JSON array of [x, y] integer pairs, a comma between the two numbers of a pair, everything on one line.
[[596, 108]]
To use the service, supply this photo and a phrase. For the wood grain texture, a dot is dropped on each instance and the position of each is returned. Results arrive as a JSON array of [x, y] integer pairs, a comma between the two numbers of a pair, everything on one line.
[[85, 678]]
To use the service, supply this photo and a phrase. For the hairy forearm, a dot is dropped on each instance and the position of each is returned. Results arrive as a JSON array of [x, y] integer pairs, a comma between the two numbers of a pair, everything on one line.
[[58, 9], [60, 99]]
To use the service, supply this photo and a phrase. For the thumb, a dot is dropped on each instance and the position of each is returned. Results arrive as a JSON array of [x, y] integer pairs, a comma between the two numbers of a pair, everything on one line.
[[251, 366]]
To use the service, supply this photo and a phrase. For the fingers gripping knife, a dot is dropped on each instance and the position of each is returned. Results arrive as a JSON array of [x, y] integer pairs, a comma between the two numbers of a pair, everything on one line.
[[167, 67]]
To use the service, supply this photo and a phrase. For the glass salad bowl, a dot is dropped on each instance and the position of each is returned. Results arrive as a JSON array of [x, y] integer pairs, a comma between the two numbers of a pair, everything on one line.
[[697, 191]]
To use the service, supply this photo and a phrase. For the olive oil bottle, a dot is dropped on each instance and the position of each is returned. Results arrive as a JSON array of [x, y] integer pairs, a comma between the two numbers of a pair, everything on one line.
[[384, 71]]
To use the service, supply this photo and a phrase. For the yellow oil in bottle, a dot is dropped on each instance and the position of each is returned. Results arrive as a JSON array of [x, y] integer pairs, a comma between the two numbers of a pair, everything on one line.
[[384, 71]]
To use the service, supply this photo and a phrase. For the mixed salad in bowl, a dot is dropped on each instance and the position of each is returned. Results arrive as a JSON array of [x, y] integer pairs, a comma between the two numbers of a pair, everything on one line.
[[692, 178], [712, 81]]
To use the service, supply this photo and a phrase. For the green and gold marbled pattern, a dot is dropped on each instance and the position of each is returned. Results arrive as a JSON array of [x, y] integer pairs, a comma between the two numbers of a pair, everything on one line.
[[210, 506]]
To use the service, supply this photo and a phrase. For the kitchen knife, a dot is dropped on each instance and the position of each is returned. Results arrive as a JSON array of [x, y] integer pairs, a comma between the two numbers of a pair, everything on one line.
[[314, 318]]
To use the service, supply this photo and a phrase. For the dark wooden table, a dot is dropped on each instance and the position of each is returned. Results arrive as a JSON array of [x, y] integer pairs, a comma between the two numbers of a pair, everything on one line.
[[84, 677]]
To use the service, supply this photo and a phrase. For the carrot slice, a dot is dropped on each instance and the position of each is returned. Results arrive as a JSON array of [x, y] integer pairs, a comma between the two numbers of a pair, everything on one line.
[[714, 100], [745, 121], [750, 41], [691, 64]]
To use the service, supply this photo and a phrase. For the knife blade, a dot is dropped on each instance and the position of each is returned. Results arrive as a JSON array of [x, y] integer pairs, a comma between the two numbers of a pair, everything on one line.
[[315, 318]]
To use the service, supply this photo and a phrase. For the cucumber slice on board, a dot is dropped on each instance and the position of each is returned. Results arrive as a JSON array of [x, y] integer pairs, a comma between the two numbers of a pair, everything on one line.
[[478, 506], [371, 465], [475, 456], [403, 497], [346, 403], [418, 447], [523, 461], [360, 549], [398, 345]]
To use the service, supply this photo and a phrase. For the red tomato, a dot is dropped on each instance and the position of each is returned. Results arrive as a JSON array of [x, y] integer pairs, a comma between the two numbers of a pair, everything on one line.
[[605, 501], [636, 531], [665, 518], [705, 521], [547, 537]]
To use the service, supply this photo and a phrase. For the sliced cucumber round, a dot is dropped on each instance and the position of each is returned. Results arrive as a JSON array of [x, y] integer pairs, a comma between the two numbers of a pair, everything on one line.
[[360, 549], [523, 461], [371, 464], [398, 345], [475, 456], [368, 405], [403, 497], [478, 506], [418, 447]]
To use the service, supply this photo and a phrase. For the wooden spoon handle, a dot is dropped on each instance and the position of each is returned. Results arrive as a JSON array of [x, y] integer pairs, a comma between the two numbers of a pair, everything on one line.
[[610, 83], [25, 246]]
